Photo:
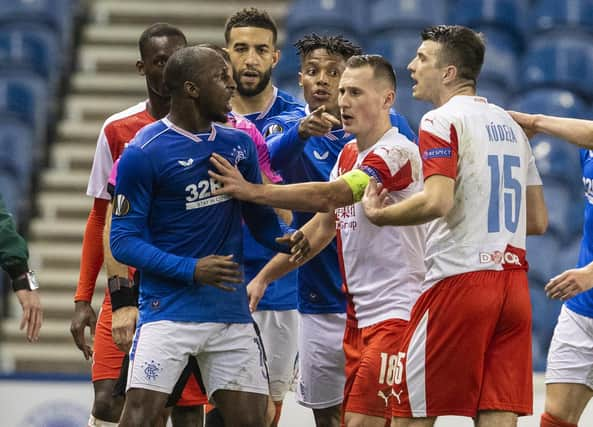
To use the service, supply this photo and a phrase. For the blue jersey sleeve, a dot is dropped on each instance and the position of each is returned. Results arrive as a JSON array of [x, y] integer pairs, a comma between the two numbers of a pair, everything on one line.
[[402, 125], [261, 220], [285, 147], [131, 211]]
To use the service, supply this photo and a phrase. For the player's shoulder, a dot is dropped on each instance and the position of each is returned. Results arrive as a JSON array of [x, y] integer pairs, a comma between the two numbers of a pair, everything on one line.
[[288, 100], [145, 137], [395, 147], [226, 133], [282, 122], [126, 115]]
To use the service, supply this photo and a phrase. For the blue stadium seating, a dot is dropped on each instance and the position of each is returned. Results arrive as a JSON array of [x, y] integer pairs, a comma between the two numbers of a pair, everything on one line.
[[25, 97], [333, 16], [35, 49], [501, 59], [286, 72], [567, 15], [558, 160], [561, 61], [387, 15], [569, 255], [560, 199], [16, 152], [541, 251], [55, 14], [555, 102], [9, 188], [544, 314], [398, 46], [411, 108], [507, 15], [495, 93]]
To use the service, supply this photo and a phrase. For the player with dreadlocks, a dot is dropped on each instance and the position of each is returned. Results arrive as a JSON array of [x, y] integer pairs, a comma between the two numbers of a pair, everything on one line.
[[304, 146]]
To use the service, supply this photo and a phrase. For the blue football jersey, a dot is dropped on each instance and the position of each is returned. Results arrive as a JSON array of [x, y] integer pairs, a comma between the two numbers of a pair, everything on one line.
[[281, 294], [319, 280], [165, 218], [583, 303]]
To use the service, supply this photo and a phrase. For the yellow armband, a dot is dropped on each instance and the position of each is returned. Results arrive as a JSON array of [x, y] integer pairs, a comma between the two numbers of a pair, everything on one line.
[[357, 180]]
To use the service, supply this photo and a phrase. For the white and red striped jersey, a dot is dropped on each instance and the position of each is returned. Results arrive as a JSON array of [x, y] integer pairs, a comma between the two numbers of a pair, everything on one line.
[[382, 267], [488, 155], [116, 132]]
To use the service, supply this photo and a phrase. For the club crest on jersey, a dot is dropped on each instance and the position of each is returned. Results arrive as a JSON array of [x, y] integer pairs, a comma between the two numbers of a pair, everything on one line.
[[273, 130], [152, 370], [238, 154], [121, 205]]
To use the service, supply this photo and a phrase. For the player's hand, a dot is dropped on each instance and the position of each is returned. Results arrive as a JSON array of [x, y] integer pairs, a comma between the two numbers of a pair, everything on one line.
[[218, 271], [255, 292], [570, 283], [32, 313], [84, 316], [123, 325], [299, 245], [317, 123], [231, 179], [375, 198], [526, 121]]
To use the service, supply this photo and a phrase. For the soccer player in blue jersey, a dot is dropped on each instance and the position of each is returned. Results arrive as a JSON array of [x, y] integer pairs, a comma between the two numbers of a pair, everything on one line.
[[304, 146], [251, 36], [569, 384], [187, 245]]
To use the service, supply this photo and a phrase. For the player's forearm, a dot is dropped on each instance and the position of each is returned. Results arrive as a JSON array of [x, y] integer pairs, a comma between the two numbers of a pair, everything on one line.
[[129, 248], [575, 131], [319, 235], [91, 258], [112, 267], [265, 226], [285, 148], [418, 209]]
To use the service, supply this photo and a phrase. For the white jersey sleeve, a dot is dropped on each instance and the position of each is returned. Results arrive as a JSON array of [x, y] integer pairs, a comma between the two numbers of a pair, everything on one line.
[[102, 165]]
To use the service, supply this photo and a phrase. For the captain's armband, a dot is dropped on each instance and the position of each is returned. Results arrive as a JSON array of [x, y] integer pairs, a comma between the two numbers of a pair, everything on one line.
[[357, 180]]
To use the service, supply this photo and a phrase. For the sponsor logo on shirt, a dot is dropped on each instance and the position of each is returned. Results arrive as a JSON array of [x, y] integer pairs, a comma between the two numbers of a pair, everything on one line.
[[200, 195], [498, 257], [320, 156], [435, 153], [186, 163]]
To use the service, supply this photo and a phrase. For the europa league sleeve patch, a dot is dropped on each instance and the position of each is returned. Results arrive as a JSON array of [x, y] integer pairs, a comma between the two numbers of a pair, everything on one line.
[[273, 130], [121, 205]]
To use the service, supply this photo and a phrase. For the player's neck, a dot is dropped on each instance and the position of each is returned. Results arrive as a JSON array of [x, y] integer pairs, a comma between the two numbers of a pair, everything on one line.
[[158, 108], [461, 89], [185, 116], [366, 141], [252, 104]]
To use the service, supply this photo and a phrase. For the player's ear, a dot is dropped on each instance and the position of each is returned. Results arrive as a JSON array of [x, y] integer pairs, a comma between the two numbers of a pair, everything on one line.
[[140, 67], [389, 99], [191, 89], [276, 57], [300, 79], [450, 74]]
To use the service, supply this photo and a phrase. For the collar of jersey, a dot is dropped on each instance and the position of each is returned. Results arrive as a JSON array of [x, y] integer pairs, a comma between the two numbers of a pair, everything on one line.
[[197, 137]]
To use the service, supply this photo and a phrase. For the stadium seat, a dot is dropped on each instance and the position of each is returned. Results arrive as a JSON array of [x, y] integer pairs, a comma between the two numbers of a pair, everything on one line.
[[569, 255], [289, 65], [410, 108], [544, 314], [501, 59], [57, 15], [16, 152], [35, 49], [561, 203], [556, 159], [561, 61], [556, 102], [323, 15], [554, 15], [507, 15], [25, 97], [495, 93], [398, 46], [387, 15], [541, 253]]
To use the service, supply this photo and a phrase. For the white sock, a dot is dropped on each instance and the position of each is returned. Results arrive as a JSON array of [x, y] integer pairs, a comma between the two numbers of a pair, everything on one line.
[[95, 422]]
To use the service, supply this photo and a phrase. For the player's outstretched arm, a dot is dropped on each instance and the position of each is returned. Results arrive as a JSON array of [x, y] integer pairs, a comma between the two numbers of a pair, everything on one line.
[[570, 283], [434, 201], [319, 231], [576, 131], [308, 197]]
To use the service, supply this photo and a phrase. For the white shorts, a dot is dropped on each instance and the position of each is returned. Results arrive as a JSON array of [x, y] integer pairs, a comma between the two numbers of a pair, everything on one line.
[[279, 331], [570, 358], [321, 360], [230, 356]]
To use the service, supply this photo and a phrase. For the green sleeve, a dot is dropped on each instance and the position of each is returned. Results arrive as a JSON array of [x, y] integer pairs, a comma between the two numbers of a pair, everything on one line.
[[13, 248]]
